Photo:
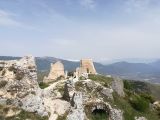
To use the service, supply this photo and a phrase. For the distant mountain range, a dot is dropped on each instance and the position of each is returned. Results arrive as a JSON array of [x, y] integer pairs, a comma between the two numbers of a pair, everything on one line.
[[134, 71]]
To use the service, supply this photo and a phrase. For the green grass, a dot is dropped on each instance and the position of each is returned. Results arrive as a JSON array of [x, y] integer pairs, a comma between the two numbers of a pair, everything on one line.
[[63, 117], [23, 115], [27, 115], [43, 85], [79, 86], [131, 111], [155, 90], [139, 103], [105, 81]]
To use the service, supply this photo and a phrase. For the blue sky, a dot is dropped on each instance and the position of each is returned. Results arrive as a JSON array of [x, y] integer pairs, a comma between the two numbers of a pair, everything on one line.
[[75, 29]]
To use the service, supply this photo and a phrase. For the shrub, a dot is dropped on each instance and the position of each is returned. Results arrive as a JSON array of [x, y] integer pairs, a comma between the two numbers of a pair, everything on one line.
[[148, 97], [3, 72], [78, 85], [71, 74], [82, 78], [31, 67], [12, 68], [105, 81], [1, 68], [60, 77], [127, 85], [43, 85], [19, 75], [66, 93], [139, 103], [3, 83], [24, 115], [6, 109], [63, 117]]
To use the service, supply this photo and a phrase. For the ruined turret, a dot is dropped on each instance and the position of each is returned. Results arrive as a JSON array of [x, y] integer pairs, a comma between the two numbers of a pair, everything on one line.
[[56, 71], [86, 67]]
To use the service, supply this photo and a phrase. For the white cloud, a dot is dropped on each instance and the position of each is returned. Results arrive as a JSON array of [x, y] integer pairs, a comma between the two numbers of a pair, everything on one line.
[[7, 20], [89, 4], [137, 5]]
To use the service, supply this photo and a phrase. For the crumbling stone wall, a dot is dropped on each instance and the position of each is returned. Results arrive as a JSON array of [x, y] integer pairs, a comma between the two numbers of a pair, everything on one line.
[[56, 71], [19, 86], [86, 67]]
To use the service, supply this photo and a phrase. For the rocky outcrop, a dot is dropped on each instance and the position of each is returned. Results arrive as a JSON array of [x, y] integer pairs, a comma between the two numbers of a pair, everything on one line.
[[140, 118], [117, 86], [116, 114], [19, 86], [77, 111], [71, 99], [56, 71], [156, 105], [107, 92]]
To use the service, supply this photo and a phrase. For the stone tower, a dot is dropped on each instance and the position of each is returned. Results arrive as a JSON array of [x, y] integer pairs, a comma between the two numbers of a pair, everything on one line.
[[57, 70], [86, 67]]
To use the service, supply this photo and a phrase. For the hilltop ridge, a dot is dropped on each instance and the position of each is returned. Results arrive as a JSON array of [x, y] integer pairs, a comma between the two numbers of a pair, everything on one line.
[[76, 97]]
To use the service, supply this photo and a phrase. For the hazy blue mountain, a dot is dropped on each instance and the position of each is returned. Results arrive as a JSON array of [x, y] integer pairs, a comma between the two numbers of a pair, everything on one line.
[[156, 64], [129, 60]]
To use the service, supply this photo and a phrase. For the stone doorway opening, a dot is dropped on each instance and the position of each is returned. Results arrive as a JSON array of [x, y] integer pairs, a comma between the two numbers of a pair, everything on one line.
[[97, 111], [100, 114]]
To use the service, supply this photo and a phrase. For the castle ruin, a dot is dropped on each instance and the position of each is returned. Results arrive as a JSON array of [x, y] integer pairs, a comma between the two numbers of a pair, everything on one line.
[[56, 71], [86, 67]]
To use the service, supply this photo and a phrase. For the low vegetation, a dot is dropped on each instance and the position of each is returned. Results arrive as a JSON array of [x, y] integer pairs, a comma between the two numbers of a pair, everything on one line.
[[3, 83], [139, 103], [133, 105], [105, 81], [79, 86], [60, 78], [43, 85], [3, 72], [1, 68], [22, 115], [63, 117], [101, 115], [82, 78], [19, 75], [136, 102]]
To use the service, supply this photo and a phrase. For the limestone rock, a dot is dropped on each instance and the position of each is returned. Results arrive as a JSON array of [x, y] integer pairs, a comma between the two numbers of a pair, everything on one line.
[[56, 71], [19, 85], [56, 107], [107, 92], [117, 86], [140, 118], [156, 104], [34, 103], [19, 78], [116, 114], [77, 112]]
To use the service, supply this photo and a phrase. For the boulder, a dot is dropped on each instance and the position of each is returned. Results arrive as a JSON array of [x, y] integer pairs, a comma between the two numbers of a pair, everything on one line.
[[117, 86]]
